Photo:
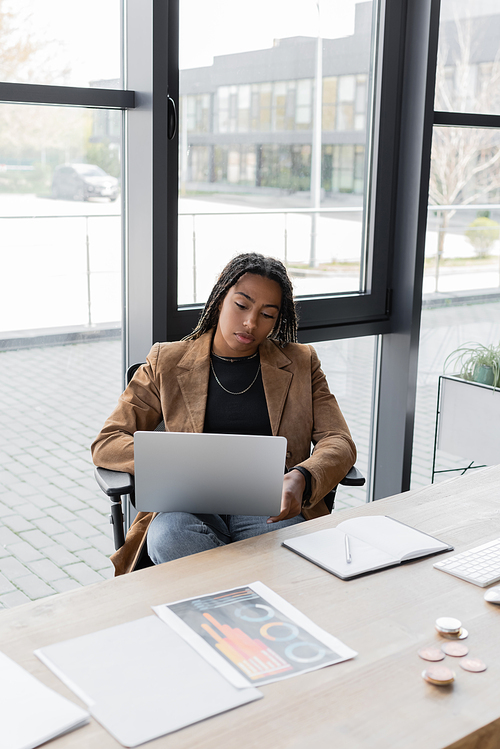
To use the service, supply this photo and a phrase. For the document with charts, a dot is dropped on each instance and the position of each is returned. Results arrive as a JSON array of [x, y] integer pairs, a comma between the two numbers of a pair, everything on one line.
[[252, 635], [370, 543]]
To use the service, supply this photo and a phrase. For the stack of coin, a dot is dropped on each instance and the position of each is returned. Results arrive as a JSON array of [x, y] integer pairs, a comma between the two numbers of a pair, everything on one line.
[[452, 628], [438, 674]]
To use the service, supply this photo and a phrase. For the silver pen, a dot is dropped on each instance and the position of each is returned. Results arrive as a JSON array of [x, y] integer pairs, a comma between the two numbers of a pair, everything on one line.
[[347, 549]]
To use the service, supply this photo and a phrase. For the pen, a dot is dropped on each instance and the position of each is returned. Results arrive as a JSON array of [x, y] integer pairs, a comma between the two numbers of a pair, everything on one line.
[[347, 549]]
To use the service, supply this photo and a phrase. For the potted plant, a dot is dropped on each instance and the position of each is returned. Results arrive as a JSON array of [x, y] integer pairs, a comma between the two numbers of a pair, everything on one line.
[[476, 362], [468, 409]]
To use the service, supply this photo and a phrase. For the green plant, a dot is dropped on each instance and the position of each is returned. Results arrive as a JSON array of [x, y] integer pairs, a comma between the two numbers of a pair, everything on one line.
[[476, 363], [482, 233]]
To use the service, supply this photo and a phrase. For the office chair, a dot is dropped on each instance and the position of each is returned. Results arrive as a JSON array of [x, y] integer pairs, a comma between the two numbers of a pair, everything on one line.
[[119, 487]]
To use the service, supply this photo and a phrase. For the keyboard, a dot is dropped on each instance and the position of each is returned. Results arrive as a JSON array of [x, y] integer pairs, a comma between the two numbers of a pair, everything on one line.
[[480, 566]]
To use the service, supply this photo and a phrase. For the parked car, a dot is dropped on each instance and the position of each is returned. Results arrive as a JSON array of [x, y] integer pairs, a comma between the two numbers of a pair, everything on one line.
[[83, 181]]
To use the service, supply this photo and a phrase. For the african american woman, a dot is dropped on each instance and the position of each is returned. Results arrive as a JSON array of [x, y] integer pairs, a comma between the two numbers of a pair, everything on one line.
[[241, 371]]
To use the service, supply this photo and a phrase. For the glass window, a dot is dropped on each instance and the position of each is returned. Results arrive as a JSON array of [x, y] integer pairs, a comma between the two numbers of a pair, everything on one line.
[[199, 164], [329, 102], [60, 42], [265, 106], [348, 366], [462, 245], [274, 141], [60, 219], [290, 105], [345, 112], [461, 284], [197, 113], [446, 324], [60, 340], [360, 102], [279, 105], [303, 100], [468, 70], [244, 100], [223, 109]]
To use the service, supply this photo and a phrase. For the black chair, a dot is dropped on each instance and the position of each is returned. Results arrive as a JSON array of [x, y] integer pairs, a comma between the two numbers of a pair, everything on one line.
[[119, 487]]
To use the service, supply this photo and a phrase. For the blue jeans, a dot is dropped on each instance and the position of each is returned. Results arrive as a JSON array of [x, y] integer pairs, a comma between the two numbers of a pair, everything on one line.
[[172, 535]]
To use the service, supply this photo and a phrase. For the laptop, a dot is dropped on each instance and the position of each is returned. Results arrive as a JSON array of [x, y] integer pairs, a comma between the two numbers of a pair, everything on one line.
[[223, 474]]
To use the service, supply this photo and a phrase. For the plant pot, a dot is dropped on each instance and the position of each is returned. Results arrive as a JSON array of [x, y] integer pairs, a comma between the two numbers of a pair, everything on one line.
[[469, 415], [483, 374]]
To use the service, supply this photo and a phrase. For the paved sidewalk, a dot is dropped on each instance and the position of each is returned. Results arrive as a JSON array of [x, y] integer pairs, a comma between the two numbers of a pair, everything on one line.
[[54, 527]]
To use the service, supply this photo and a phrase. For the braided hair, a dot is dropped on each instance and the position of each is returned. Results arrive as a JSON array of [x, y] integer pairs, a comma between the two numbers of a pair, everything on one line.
[[285, 328]]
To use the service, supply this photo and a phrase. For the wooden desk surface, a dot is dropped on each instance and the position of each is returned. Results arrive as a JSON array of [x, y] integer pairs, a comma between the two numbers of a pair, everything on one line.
[[378, 699]]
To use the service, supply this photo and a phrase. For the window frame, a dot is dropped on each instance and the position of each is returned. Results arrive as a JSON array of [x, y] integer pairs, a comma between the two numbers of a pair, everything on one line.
[[329, 316]]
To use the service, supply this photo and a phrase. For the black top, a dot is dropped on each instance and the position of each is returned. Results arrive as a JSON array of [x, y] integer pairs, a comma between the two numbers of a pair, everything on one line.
[[245, 413], [236, 414]]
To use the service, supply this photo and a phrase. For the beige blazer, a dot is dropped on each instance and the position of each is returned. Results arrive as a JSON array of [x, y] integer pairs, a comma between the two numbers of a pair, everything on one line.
[[173, 384]]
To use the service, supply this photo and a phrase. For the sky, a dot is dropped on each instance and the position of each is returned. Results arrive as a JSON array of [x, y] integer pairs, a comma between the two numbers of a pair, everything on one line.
[[82, 35], [86, 35], [222, 27]]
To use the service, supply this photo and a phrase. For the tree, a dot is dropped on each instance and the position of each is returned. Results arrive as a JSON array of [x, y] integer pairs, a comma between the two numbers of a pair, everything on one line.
[[27, 54], [465, 166], [16, 49], [34, 136]]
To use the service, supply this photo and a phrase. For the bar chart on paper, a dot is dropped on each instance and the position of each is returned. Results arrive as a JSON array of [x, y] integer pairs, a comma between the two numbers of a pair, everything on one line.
[[252, 656], [255, 636]]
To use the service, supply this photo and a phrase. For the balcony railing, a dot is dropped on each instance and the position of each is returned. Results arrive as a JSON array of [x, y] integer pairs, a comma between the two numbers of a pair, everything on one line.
[[65, 270]]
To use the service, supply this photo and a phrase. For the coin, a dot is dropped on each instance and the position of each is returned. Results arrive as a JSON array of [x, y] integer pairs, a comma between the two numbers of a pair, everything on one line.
[[457, 649], [448, 624], [438, 674], [431, 654], [473, 664], [462, 634]]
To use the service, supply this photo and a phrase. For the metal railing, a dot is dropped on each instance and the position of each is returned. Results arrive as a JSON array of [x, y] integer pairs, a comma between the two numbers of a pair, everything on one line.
[[194, 217], [88, 270], [447, 212]]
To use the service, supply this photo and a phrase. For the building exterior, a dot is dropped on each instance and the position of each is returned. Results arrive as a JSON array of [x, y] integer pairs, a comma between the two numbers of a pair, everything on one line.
[[248, 118]]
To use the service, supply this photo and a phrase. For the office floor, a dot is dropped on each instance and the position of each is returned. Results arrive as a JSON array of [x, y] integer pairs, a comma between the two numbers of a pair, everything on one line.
[[54, 527]]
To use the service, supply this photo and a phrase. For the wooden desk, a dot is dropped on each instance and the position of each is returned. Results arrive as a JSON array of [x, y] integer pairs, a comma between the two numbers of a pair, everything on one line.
[[379, 699]]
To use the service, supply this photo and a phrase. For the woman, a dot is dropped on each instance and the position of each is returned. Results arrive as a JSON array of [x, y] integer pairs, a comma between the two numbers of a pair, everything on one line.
[[239, 372]]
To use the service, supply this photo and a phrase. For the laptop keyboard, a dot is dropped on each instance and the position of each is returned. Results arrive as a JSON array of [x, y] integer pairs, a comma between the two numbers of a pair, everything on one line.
[[480, 566]]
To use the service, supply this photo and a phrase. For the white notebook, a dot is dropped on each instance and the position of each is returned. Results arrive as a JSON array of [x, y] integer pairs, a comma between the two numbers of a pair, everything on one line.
[[372, 543], [141, 680], [31, 712]]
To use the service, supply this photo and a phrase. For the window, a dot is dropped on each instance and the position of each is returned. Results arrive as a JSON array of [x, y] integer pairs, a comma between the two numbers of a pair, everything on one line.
[[460, 298], [329, 102], [303, 105], [198, 113], [347, 90], [61, 187], [262, 152]]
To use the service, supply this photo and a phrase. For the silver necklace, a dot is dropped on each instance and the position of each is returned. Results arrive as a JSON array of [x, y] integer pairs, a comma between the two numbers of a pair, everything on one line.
[[230, 391], [238, 358]]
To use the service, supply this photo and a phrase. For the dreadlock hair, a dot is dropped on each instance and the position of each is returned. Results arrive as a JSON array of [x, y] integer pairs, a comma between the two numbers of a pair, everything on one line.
[[285, 328]]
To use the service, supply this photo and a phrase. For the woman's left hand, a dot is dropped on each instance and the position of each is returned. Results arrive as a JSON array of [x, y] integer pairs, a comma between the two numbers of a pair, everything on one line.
[[294, 484]]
